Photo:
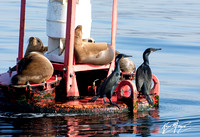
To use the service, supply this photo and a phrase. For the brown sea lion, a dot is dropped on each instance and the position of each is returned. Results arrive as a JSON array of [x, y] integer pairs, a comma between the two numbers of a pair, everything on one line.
[[89, 40], [91, 53], [35, 44], [126, 65], [84, 40], [34, 67]]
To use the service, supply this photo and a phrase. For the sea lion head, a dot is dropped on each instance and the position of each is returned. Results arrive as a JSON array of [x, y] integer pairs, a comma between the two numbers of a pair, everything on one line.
[[35, 44], [78, 35]]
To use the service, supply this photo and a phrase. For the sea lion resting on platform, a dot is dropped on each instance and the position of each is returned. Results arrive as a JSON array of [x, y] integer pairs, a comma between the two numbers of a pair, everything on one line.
[[126, 65], [91, 53], [34, 67], [35, 44]]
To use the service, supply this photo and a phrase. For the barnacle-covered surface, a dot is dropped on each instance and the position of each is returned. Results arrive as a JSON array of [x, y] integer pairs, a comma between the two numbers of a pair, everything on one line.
[[41, 98], [68, 108], [78, 106]]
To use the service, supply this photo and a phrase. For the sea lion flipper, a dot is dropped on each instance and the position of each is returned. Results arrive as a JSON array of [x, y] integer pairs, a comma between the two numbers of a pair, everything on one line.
[[23, 63]]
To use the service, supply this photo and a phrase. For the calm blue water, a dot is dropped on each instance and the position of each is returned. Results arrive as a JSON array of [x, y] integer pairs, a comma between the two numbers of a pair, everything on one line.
[[171, 25]]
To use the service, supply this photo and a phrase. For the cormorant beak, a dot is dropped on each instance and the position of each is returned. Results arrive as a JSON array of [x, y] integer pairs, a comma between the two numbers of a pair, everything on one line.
[[124, 55], [156, 49]]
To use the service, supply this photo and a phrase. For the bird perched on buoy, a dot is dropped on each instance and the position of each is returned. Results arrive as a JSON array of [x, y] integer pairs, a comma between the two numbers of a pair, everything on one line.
[[144, 76], [107, 88], [126, 65]]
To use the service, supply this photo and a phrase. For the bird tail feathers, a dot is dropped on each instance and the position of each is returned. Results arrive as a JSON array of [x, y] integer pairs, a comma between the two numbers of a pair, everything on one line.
[[93, 99]]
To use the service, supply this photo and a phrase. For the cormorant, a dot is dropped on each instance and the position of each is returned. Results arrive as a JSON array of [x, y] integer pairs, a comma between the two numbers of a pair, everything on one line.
[[126, 65], [107, 88], [144, 76]]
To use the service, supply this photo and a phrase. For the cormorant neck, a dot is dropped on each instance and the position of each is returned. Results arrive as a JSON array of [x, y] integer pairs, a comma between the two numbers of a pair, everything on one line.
[[146, 58], [117, 64]]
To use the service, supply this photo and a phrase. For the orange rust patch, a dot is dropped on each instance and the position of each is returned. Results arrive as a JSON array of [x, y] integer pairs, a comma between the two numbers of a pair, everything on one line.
[[94, 108]]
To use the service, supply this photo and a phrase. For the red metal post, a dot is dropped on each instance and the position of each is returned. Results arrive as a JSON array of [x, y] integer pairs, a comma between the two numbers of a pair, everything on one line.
[[127, 91], [69, 50], [155, 90], [113, 32], [114, 24], [69, 65], [21, 30]]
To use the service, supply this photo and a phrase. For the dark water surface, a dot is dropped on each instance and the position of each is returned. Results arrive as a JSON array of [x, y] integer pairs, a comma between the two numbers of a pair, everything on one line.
[[173, 25]]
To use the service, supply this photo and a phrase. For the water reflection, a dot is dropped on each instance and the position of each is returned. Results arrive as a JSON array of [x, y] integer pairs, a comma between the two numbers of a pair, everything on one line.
[[142, 124]]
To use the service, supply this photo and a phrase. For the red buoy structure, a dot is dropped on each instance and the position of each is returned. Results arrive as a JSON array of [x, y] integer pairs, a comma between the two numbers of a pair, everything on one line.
[[72, 85]]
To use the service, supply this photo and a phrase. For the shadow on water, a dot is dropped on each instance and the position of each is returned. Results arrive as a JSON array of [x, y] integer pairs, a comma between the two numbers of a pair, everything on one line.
[[141, 124]]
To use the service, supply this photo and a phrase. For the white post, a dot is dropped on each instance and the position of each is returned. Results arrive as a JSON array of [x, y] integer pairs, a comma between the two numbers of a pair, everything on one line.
[[56, 25]]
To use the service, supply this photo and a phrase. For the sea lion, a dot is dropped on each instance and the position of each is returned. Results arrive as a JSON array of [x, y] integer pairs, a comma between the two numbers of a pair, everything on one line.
[[126, 65], [62, 48], [89, 52], [89, 40], [34, 67], [35, 44]]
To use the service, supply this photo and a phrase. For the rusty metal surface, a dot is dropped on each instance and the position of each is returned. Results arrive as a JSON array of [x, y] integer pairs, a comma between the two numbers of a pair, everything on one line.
[[41, 98]]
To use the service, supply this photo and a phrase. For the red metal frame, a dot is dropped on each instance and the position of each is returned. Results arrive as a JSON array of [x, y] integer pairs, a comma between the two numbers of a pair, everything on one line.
[[113, 32], [156, 87], [125, 92], [21, 30], [69, 67], [69, 60]]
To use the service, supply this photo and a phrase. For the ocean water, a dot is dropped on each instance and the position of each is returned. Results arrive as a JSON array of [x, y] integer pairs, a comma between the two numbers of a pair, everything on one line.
[[171, 25]]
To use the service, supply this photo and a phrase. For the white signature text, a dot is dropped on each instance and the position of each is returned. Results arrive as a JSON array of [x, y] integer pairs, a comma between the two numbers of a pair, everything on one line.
[[175, 127]]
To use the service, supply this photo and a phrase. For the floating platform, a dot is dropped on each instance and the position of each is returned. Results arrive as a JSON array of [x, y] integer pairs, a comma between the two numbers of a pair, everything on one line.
[[70, 88], [42, 98]]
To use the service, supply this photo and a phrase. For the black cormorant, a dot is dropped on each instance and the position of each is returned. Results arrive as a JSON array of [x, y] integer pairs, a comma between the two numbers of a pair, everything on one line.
[[144, 76], [107, 88], [126, 65]]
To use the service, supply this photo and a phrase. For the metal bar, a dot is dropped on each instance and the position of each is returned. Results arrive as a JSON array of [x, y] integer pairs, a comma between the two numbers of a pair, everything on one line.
[[69, 43], [113, 33], [88, 67], [114, 24], [21, 30], [80, 67]]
